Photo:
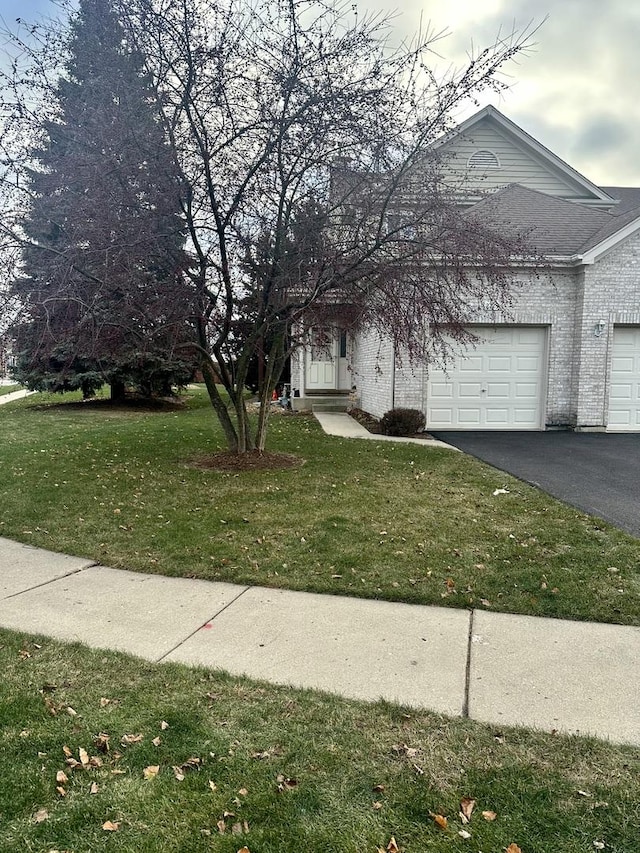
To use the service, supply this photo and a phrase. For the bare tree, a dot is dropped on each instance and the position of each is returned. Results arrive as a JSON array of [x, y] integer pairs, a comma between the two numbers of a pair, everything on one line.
[[306, 147]]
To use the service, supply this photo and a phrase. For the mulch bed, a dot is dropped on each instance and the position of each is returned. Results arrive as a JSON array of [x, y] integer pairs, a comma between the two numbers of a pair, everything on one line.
[[254, 460]]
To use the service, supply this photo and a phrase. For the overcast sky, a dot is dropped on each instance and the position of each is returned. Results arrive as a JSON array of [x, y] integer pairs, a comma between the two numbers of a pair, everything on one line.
[[577, 92]]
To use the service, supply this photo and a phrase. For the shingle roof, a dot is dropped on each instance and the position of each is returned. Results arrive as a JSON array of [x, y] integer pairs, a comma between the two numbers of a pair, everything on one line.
[[554, 226]]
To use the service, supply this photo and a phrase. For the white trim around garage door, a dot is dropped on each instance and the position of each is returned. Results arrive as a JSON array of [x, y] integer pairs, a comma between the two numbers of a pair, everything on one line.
[[498, 384]]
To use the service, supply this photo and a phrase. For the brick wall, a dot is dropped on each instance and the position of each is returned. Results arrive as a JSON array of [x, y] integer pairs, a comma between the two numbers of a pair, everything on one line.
[[372, 373], [610, 292]]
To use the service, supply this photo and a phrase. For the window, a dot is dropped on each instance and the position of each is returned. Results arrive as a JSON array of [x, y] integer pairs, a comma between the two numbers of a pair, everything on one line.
[[483, 159]]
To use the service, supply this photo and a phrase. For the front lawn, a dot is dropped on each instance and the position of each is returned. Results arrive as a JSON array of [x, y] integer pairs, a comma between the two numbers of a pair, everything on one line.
[[9, 389], [100, 751], [381, 520]]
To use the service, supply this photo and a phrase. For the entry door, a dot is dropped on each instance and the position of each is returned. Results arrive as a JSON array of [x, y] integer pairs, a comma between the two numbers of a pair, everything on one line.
[[322, 360]]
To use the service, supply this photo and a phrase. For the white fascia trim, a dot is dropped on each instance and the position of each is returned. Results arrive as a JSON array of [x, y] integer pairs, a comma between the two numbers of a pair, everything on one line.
[[592, 255], [524, 137]]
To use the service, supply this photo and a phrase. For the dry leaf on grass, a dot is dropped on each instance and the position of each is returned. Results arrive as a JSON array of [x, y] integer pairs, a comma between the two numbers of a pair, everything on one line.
[[467, 804], [244, 850], [286, 784], [61, 777], [156, 741], [94, 788], [489, 815], [513, 848], [164, 725], [101, 742], [151, 771], [177, 772], [40, 816], [439, 820], [111, 826], [129, 740], [464, 834]]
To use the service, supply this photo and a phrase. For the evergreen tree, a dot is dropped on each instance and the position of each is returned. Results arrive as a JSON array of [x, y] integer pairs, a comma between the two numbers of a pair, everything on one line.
[[104, 279]]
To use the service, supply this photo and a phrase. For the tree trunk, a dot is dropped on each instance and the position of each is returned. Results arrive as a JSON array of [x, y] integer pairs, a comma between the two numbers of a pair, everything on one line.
[[118, 391], [220, 407]]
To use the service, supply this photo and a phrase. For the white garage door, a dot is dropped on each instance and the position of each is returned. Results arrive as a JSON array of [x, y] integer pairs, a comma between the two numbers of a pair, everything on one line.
[[497, 385], [624, 394]]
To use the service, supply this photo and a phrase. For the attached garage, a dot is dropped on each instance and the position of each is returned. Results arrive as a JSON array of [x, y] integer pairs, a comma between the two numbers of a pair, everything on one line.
[[624, 386], [499, 384]]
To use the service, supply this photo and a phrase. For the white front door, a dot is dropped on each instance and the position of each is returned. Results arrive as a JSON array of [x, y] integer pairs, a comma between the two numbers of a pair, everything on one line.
[[499, 384], [322, 360], [624, 393]]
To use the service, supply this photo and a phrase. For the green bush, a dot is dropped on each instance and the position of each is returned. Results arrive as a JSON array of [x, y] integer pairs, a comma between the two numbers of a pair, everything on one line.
[[402, 422]]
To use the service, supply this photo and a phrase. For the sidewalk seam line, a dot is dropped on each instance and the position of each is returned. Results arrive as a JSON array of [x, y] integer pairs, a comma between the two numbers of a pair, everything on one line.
[[200, 627], [52, 580], [467, 671]]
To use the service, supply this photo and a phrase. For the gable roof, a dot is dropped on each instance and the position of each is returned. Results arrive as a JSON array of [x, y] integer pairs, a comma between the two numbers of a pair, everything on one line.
[[556, 227], [590, 194]]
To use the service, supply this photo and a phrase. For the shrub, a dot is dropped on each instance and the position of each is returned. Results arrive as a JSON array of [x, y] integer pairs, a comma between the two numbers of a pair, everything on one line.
[[402, 422]]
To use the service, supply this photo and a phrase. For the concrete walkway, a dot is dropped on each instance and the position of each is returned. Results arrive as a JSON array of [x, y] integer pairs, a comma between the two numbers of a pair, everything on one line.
[[498, 668], [15, 395], [343, 425]]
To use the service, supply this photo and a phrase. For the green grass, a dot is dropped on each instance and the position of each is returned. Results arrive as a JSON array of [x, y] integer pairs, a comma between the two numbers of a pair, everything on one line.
[[365, 518], [549, 792], [9, 389]]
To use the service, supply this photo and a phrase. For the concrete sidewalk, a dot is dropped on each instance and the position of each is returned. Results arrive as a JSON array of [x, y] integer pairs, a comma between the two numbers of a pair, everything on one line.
[[15, 395], [498, 668], [343, 425]]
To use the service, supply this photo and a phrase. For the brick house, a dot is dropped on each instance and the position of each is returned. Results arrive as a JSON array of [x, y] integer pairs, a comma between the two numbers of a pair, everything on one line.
[[568, 353]]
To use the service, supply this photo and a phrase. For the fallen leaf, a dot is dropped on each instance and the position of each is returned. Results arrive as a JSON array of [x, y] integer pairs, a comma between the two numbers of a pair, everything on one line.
[[286, 784], [376, 806], [513, 848], [128, 740], [467, 805], [67, 751], [40, 816], [439, 819], [213, 785], [243, 792], [151, 771], [599, 845], [157, 741], [177, 772], [101, 742], [61, 777], [464, 834], [84, 757], [164, 725], [71, 711], [94, 788], [583, 794], [488, 815], [222, 826], [104, 702], [61, 791], [111, 826], [379, 789], [392, 847], [244, 850]]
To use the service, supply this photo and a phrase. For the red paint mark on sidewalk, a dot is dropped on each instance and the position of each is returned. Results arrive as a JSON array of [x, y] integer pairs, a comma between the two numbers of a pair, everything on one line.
[[208, 625]]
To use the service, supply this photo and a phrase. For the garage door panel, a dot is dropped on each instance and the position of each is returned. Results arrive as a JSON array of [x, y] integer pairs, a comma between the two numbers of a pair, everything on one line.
[[499, 363], [498, 386], [624, 384]]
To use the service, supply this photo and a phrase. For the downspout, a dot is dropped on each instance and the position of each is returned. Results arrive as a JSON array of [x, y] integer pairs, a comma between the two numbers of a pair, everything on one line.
[[393, 376]]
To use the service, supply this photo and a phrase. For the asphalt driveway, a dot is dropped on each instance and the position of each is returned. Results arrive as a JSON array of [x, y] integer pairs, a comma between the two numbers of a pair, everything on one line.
[[598, 473]]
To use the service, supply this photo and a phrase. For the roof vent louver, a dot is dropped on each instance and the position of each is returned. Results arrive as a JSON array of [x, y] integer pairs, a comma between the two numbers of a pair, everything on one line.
[[483, 159]]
